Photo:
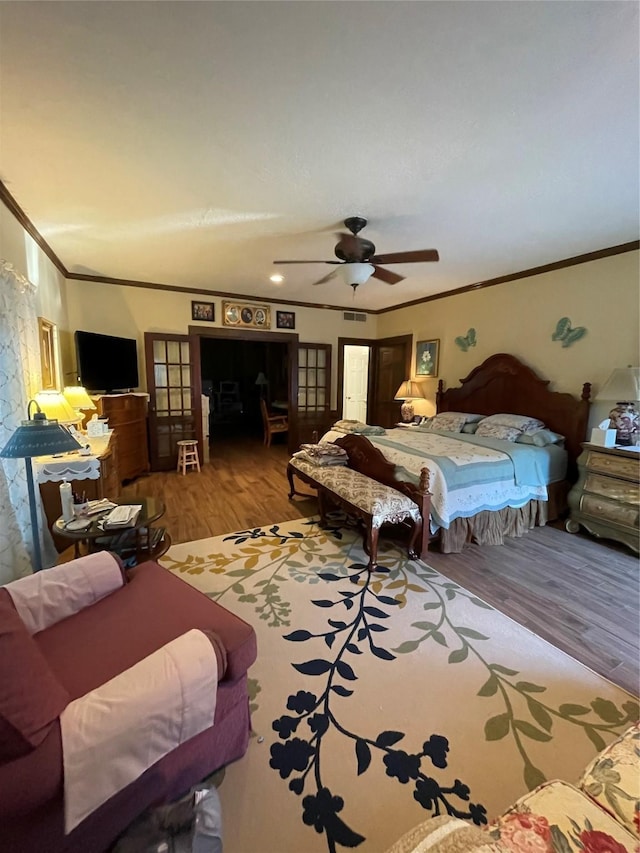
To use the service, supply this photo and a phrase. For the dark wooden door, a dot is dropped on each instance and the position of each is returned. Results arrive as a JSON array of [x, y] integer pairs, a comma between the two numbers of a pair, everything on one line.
[[175, 407], [391, 366]]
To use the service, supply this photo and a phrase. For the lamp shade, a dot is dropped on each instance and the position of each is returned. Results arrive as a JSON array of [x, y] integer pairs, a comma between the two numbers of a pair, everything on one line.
[[409, 390], [55, 407], [261, 379], [39, 437], [77, 397], [622, 386], [356, 274]]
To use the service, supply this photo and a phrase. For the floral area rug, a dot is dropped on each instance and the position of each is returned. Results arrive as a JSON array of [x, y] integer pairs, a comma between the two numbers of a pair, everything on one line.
[[381, 699]]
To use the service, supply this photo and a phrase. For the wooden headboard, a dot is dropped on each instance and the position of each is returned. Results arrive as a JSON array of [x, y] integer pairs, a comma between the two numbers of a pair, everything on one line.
[[502, 383]]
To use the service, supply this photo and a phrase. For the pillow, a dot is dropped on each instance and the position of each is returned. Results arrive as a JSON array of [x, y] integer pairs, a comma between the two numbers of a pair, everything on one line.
[[523, 423], [541, 438], [506, 433], [31, 697], [447, 421], [470, 428]]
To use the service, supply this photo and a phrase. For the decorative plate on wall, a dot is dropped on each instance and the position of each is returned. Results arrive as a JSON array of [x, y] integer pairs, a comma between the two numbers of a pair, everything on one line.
[[246, 315]]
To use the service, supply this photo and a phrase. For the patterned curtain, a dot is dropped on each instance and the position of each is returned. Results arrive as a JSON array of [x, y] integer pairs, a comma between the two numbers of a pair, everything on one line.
[[19, 376]]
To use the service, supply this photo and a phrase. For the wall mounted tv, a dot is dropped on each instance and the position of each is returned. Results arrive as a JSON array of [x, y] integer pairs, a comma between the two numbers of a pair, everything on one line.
[[106, 363]]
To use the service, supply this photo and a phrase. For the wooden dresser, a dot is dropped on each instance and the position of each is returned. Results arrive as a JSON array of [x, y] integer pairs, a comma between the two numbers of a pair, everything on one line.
[[606, 498], [127, 415]]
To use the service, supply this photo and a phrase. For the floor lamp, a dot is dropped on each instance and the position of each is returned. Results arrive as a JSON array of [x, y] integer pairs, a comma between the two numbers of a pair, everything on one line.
[[37, 437]]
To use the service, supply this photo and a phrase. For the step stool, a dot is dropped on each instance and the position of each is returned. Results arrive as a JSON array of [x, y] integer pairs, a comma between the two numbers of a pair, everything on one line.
[[187, 455]]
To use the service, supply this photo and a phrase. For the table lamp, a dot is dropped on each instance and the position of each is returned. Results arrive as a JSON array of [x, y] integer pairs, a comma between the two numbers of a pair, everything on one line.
[[623, 386], [408, 390], [262, 381], [55, 408], [77, 397], [37, 437]]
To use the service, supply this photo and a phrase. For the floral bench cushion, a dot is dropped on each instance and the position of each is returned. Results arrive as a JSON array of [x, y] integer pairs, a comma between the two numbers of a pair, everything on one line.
[[382, 502], [613, 779], [558, 818]]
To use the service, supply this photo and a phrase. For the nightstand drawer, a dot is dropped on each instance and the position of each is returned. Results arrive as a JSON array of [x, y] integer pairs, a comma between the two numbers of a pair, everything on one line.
[[604, 510], [617, 490], [614, 465]]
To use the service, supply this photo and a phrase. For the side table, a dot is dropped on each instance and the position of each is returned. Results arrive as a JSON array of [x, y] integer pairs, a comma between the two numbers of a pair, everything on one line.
[[134, 544], [606, 498]]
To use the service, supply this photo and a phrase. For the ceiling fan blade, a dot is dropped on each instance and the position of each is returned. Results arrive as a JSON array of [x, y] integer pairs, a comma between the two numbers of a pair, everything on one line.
[[327, 278], [387, 276], [407, 257], [307, 262]]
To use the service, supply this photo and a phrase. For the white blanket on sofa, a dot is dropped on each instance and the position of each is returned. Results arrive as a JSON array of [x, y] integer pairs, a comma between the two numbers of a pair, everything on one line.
[[113, 734]]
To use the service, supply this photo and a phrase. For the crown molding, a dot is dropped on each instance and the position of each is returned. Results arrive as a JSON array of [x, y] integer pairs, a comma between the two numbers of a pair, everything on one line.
[[14, 208]]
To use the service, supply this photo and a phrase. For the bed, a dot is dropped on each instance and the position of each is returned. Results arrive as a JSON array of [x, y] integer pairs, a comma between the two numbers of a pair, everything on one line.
[[510, 488]]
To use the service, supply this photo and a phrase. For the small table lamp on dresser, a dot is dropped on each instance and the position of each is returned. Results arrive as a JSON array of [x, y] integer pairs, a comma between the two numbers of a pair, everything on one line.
[[623, 388], [409, 390]]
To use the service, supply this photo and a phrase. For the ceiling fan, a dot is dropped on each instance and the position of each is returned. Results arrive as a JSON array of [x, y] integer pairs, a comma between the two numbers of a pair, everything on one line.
[[358, 260]]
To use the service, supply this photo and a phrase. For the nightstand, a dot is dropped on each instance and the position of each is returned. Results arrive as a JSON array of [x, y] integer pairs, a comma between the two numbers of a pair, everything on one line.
[[606, 498]]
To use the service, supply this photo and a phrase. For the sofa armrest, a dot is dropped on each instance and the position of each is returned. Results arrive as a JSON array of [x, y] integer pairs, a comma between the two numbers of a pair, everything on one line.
[[446, 834], [47, 597], [116, 732]]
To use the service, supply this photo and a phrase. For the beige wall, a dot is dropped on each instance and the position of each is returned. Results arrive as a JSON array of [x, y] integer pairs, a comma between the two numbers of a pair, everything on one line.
[[519, 317], [20, 250], [132, 311]]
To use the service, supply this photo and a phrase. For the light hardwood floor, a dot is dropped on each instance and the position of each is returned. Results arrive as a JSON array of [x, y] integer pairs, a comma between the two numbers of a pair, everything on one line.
[[579, 593]]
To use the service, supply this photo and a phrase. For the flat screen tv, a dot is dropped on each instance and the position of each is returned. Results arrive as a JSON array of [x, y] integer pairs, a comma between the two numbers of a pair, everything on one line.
[[106, 363]]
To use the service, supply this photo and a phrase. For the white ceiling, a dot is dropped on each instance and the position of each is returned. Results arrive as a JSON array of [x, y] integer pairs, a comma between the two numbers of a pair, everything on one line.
[[192, 143]]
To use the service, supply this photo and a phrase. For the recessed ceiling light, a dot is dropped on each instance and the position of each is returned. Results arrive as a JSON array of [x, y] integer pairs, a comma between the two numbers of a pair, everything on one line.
[[276, 278]]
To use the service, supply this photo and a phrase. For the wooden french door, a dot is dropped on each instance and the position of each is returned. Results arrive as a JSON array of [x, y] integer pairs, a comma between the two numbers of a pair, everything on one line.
[[313, 392], [175, 407], [391, 366]]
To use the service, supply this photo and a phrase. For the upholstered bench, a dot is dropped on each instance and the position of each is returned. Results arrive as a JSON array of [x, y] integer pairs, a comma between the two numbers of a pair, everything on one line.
[[373, 503]]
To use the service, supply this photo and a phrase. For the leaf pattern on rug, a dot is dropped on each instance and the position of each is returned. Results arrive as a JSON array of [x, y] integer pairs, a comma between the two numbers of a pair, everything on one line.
[[602, 715], [254, 569], [357, 634]]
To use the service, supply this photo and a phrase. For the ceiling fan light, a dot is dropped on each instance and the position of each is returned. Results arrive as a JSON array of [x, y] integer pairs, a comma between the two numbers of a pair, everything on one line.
[[356, 274]]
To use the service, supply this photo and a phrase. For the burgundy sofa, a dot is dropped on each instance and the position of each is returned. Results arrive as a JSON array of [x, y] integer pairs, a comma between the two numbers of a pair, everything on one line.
[[80, 653]]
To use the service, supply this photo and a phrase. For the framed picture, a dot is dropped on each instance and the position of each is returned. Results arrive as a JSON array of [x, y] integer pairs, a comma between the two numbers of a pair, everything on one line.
[[48, 354], [427, 358], [245, 315], [203, 311], [285, 320]]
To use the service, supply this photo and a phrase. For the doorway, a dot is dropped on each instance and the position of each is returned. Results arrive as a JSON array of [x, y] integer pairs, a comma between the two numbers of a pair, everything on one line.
[[355, 382]]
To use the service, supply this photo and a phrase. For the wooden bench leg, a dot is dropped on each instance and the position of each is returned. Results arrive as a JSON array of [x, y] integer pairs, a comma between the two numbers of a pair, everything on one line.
[[322, 507], [415, 534], [292, 488], [372, 536]]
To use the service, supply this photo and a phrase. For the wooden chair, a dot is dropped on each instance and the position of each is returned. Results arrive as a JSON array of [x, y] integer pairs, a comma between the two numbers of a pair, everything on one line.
[[272, 423], [187, 455]]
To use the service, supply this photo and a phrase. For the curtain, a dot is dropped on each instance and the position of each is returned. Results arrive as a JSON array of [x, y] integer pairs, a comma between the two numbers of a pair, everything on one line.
[[19, 376]]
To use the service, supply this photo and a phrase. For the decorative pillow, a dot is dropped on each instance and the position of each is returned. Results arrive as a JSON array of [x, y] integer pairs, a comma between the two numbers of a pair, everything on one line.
[[541, 438], [524, 423], [31, 697], [448, 422], [506, 433], [470, 428]]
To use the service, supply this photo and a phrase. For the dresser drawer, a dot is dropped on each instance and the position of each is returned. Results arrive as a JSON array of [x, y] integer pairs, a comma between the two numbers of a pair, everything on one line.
[[616, 466], [605, 510], [617, 490]]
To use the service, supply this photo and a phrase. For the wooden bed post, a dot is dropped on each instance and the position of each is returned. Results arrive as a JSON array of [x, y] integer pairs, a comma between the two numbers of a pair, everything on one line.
[[423, 499]]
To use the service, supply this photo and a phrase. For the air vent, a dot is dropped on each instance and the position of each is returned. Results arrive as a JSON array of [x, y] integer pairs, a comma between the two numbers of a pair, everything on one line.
[[356, 318]]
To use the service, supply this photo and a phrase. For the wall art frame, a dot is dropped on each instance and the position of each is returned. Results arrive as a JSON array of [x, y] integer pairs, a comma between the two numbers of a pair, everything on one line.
[[246, 315], [427, 357], [48, 355], [203, 311], [285, 320]]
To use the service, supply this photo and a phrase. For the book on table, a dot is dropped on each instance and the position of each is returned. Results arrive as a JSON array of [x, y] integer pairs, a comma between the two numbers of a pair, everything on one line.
[[125, 515]]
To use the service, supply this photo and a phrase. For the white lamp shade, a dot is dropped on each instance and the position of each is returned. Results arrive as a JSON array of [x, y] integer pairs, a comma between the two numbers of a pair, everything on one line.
[[409, 390], [623, 386], [55, 407], [356, 274], [77, 397]]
